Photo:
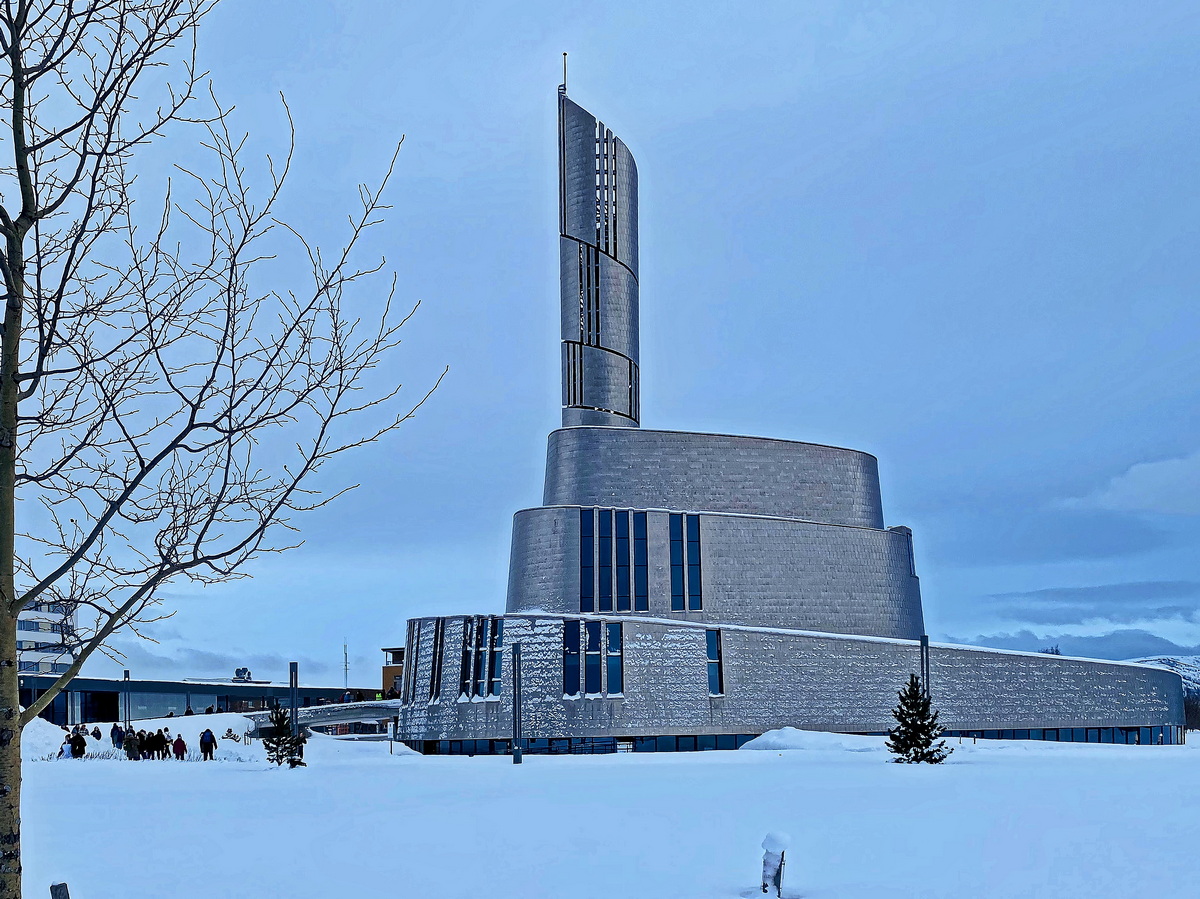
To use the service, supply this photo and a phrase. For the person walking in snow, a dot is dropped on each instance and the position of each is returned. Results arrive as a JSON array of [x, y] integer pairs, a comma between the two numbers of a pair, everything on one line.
[[774, 846], [117, 735], [180, 748], [78, 746], [133, 748], [96, 732], [208, 745]]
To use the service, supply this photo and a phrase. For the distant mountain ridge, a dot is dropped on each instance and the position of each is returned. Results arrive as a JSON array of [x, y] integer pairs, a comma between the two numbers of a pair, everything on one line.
[[1187, 667]]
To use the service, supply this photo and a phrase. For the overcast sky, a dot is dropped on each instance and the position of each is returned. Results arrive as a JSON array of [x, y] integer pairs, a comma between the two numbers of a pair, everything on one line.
[[962, 237]]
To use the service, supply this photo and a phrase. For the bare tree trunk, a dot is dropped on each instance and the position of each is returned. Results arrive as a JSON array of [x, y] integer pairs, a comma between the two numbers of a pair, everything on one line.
[[159, 420], [10, 763]]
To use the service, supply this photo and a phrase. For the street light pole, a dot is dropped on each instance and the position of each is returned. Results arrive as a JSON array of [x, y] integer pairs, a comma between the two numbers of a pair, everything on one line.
[[516, 703], [293, 694]]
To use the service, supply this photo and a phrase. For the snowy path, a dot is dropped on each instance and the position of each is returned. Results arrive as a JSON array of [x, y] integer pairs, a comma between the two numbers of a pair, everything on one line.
[[999, 820]]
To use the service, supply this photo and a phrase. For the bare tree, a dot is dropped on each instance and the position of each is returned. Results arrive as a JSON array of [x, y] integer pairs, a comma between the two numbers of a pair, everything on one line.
[[163, 410]]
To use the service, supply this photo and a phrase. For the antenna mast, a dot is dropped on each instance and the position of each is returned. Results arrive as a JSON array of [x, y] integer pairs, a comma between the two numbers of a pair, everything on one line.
[[564, 73], [345, 665]]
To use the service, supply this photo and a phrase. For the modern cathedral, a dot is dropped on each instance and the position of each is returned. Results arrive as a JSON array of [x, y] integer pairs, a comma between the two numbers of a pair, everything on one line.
[[684, 591]]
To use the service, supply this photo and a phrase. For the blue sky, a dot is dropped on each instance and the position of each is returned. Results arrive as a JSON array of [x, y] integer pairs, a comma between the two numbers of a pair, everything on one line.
[[961, 237]]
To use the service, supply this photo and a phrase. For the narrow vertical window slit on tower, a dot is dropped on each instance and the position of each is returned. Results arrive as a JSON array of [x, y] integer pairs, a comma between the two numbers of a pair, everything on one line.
[[587, 586]]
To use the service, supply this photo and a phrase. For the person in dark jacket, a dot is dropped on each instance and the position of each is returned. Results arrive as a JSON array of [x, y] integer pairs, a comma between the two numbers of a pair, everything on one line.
[[188, 711], [208, 745], [133, 748], [78, 746], [96, 732], [143, 742], [117, 735], [179, 748]]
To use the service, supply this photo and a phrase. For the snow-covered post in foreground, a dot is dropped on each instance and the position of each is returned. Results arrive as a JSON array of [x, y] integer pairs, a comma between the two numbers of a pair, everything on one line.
[[774, 846]]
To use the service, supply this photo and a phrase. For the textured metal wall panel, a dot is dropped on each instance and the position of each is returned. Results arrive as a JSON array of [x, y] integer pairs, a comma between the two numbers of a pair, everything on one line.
[[778, 679], [644, 469], [757, 572]]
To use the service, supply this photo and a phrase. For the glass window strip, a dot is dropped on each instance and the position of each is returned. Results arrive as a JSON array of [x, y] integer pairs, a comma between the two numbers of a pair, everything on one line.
[[641, 571], [623, 585], [615, 654], [677, 594], [464, 673], [604, 544], [435, 659], [716, 676], [591, 658], [571, 657], [694, 589], [587, 585]]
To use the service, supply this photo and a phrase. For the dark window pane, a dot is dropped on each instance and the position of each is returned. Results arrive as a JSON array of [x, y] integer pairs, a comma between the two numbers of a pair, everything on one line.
[[591, 673], [726, 741], [712, 639], [570, 675], [676, 527], [686, 744], [592, 629], [639, 552], [676, 552], [616, 680], [666, 744], [641, 589], [623, 582], [714, 678], [639, 525], [614, 637], [706, 742], [693, 529], [605, 523], [571, 636], [585, 521], [622, 525]]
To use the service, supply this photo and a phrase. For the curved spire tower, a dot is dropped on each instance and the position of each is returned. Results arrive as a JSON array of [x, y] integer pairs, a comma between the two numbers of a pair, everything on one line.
[[598, 258]]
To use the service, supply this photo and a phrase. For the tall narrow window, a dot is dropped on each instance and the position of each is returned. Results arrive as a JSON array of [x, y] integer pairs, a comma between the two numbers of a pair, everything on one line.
[[570, 658], [604, 543], [410, 660], [496, 655], [468, 655], [695, 599], [587, 579], [482, 630], [641, 580], [615, 654], [677, 600], [591, 658], [622, 523], [435, 659], [716, 677]]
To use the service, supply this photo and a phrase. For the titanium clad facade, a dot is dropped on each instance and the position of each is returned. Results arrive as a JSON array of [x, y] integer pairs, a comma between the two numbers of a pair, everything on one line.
[[688, 591], [756, 572], [777, 678], [598, 277], [647, 469]]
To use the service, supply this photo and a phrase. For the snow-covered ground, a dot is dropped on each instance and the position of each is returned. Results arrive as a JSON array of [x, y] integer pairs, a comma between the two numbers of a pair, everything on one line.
[[997, 820]]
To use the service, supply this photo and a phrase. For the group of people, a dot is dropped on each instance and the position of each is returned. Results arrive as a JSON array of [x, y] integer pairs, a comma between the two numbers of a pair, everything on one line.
[[158, 744], [139, 744], [74, 744]]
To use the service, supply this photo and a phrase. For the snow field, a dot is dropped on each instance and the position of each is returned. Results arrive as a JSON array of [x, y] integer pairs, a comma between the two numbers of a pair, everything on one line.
[[997, 820]]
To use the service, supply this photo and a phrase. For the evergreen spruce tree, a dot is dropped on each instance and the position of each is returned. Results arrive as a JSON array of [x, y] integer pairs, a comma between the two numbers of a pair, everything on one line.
[[280, 744], [915, 736]]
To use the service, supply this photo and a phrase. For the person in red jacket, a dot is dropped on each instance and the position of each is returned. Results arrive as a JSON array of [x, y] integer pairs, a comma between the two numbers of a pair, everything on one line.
[[179, 747]]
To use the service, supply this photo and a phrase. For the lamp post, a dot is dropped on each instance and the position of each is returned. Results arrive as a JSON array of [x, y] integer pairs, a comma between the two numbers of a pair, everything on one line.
[[293, 694], [125, 685], [516, 703]]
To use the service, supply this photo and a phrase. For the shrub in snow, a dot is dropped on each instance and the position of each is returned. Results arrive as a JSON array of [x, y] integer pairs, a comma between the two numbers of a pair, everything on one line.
[[915, 736], [280, 744]]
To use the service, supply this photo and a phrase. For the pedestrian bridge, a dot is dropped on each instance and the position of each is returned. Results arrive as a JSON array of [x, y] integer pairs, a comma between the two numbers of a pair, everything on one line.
[[340, 713]]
